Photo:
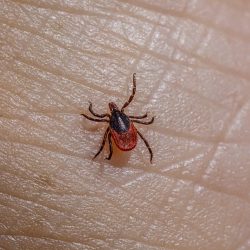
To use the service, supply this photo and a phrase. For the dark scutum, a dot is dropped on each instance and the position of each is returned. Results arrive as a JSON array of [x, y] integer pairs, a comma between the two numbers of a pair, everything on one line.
[[119, 122]]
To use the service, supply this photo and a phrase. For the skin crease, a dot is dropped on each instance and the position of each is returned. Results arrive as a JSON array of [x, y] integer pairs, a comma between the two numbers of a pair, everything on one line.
[[192, 64]]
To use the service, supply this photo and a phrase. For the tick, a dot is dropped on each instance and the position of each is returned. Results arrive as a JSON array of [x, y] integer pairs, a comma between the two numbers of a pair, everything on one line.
[[121, 126]]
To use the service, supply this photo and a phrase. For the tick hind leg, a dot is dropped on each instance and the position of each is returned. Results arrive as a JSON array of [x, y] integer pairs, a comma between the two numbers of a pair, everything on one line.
[[110, 147], [95, 119], [132, 95], [143, 122], [138, 116], [95, 114], [103, 143], [147, 144]]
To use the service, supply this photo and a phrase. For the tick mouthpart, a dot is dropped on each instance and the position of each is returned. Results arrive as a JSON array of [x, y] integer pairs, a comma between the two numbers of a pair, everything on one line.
[[113, 106]]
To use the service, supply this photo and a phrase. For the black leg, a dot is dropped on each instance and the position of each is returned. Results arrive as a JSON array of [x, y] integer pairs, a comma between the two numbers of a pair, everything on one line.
[[110, 147], [138, 117], [94, 119], [132, 95], [95, 114], [146, 143], [145, 123], [103, 143]]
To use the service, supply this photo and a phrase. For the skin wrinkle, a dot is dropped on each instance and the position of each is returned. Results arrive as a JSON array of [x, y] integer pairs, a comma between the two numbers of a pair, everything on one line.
[[198, 230], [182, 15], [141, 242], [148, 243], [49, 238], [115, 14], [187, 16], [210, 64], [110, 202], [51, 208], [58, 43], [51, 40], [121, 37], [200, 185], [197, 182], [88, 86], [161, 206], [43, 82], [146, 44], [65, 150], [118, 14], [171, 164], [115, 185], [58, 211], [223, 135], [60, 74], [13, 210], [169, 176], [183, 88], [46, 238], [194, 183], [33, 110], [162, 131], [60, 8], [203, 60], [115, 179], [149, 222], [42, 146], [192, 55], [192, 91], [35, 125], [10, 92]]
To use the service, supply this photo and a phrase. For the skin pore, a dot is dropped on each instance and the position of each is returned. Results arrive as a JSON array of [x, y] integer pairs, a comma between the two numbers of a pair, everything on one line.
[[192, 63]]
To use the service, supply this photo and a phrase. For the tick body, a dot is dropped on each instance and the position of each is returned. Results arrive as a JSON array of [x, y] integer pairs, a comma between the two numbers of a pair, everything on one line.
[[122, 130], [121, 126]]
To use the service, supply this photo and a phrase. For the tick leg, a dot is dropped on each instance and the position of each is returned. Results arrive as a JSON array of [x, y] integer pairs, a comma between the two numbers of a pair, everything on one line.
[[95, 114], [103, 143], [94, 119], [132, 95], [142, 122], [138, 117], [147, 144], [110, 147]]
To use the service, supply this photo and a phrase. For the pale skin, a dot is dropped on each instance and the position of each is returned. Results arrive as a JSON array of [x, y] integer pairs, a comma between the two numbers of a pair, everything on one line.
[[192, 64]]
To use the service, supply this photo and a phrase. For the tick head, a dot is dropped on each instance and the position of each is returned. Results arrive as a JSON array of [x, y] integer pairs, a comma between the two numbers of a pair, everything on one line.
[[112, 107]]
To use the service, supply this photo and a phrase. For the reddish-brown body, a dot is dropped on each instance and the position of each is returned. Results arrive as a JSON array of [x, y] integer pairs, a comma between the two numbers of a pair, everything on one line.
[[121, 127], [127, 140]]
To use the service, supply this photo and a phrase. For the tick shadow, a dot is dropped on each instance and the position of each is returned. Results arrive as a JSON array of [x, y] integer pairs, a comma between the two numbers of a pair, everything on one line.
[[119, 159]]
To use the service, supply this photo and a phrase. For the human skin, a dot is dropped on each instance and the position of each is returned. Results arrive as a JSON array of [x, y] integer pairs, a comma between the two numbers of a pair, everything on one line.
[[192, 64]]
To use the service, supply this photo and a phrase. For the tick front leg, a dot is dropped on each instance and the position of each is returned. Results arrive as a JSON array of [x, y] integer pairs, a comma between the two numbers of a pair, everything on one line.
[[95, 114], [94, 119], [147, 144], [132, 95], [142, 122], [138, 117], [103, 143], [110, 147]]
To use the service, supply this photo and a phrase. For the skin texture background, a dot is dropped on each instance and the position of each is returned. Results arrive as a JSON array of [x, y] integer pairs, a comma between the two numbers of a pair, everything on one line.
[[192, 62]]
